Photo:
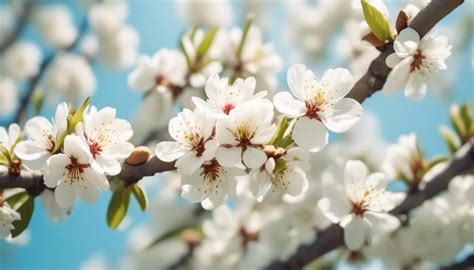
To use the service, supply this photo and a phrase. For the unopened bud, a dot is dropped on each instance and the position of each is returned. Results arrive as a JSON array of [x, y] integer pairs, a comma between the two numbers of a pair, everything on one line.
[[139, 155]]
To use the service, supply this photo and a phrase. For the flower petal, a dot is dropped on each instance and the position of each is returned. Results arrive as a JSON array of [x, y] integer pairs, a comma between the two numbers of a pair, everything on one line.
[[382, 223], [229, 157], [169, 151], [354, 232], [398, 77], [30, 150], [336, 83], [55, 169], [342, 115], [65, 195], [416, 87], [310, 134], [286, 104], [254, 157]]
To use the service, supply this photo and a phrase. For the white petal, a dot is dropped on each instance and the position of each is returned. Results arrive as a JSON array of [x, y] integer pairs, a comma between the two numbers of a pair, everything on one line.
[[382, 223], [408, 34], [296, 76], [77, 147], [96, 179], [189, 163], [416, 87], [336, 83], [398, 77], [65, 195], [192, 194], [254, 158], [342, 115], [355, 232], [169, 151], [310, 134], [89, 193], [392, 60], [30, 150], [286, 104], [296, 182], [229, 157], [355, 174], [55, 169]]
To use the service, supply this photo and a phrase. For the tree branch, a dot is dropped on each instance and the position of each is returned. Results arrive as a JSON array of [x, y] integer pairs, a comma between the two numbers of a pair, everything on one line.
[[467, 263], [20, 25], [375, 77], [332, 237]]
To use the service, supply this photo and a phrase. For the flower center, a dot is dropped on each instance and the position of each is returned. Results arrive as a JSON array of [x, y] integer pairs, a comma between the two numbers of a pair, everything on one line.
[[315, 105], [359, 208], [95, 149], [228, 107], [197, 143], [417, 61], [175, 89], [75, 169], [211, 170], [51, 143], [243, 133]]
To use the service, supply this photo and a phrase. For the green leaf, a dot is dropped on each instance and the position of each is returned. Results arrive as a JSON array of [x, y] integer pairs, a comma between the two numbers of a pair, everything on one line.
[[280, 132], [206, 43], [168, 235], [140, 195], [450, 139], [118, 207], [186, 55], [466, 116], [377, 22], [457, 121], [38, 101], [245, 32], [24, 204], [287, 141]]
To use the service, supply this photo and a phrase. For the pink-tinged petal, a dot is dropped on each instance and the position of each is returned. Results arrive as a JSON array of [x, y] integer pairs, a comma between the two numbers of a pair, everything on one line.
[[169, 151], [286, 104], [416, 87], [382, 223], [296, 76], [254, 158], [392, 60], [55, 170], [29, 150], [336, 83], [65, 195], [310, 134], [355, 232], [229, 157], [343, 115], [398, 77]]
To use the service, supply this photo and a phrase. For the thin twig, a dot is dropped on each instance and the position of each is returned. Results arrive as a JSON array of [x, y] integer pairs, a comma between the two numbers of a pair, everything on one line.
[[20, 25]]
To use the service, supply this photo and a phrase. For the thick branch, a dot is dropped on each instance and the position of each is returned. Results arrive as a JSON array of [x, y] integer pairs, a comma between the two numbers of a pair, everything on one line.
[[332, 237], [375, 77]]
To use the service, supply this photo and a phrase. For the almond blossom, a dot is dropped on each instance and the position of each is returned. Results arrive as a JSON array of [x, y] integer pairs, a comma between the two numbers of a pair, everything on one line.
[[318, 105], [42, 138], [243, 133], [414, 61], [360, 205], [283, 173], [223, 98], [8, 139], [211, 184], [107, 138], [194, 143], [72, 173], [7, 216], [8, 95], [164, 71]]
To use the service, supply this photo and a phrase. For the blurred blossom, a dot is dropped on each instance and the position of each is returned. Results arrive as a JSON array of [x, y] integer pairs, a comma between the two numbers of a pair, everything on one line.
[[55, 24], [69, 77], [55, 212], [8, 95], [21, 61], [108, 17], [206, 12], [120, 50]]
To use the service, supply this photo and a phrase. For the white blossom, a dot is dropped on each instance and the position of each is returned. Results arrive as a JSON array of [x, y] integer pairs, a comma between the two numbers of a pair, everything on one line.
[[414, 62], [69, 76], [21, 60], [55, 212], [108, 17], [8, 95], [120, 49], [207, 12], [243, 133], [211, 184], [42, 138], [318, 105], [223, 98], [107, 138], [360, 205], [72, 173], [7, 216], [8, 139], [55, 24]]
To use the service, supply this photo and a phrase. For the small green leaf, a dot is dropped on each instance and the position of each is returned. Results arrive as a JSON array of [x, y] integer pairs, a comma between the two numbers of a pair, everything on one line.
[[377, 22], [38, 101], [168, 235], [245, 32], [280, 132], [140, 195], [450, 139], [24, 204], [466, 116], [118, 207], [457, 121], [287, 141], [206, 43], [77, 117]]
